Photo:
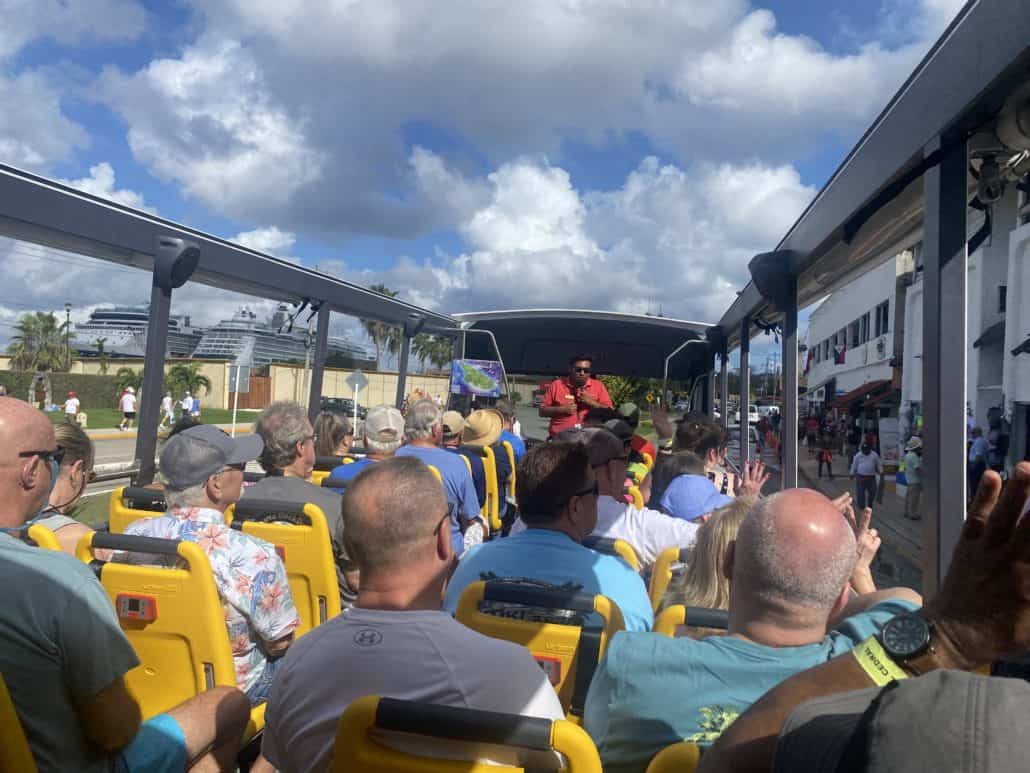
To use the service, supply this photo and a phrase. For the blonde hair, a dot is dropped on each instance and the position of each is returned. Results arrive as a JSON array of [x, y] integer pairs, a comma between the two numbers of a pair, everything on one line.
[[704, 584], [76, 444]]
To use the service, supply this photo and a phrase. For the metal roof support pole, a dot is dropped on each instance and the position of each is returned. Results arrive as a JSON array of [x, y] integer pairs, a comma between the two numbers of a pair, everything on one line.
[[174, 262], [724, 384], [710, 390], [412, 327], [789, 417], [944, 359], [745, 390], [321, 354]]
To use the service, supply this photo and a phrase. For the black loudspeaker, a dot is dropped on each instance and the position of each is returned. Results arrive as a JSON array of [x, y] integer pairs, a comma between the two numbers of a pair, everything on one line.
[[175, 260], [771, 272]]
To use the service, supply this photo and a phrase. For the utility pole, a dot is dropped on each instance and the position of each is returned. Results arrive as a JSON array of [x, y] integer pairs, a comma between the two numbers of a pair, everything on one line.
[[67, 337]]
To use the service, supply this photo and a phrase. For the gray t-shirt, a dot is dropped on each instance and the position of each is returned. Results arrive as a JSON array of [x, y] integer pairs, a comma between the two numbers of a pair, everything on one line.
[[279, 488], [418, 655], [59, 639]]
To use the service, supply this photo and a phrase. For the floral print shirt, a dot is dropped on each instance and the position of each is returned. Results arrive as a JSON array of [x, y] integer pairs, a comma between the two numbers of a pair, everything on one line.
[[250, 576]]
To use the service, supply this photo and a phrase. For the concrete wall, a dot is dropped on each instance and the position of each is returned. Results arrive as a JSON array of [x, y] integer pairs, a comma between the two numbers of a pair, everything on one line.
[[288, 384]]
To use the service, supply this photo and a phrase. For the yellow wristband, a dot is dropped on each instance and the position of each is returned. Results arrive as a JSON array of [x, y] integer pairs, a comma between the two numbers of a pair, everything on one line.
[[877, 663]]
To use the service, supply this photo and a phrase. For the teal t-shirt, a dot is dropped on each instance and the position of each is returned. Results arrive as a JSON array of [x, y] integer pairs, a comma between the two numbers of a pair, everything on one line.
[[651, 691]]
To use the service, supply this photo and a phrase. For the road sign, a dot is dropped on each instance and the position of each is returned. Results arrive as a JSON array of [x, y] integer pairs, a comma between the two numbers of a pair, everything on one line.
[[241, 372], [357, 381]]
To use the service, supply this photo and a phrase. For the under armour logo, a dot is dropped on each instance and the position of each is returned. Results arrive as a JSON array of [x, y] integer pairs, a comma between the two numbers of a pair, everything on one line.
[[368, 638]]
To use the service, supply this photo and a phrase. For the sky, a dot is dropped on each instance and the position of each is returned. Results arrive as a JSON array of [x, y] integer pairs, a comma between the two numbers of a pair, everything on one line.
[[475, 155]]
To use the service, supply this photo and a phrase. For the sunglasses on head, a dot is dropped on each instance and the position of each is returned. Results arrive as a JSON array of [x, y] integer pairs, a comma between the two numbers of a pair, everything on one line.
[[56, 456]]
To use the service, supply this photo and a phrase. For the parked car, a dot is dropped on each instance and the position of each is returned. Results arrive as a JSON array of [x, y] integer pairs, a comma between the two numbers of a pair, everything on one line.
[[343, 405]]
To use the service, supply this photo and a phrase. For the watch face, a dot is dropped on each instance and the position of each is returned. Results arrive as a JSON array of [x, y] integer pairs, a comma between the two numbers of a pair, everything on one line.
[[905, 636]]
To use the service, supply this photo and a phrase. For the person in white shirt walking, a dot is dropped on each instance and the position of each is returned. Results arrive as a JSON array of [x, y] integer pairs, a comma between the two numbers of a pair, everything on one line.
[[913, 482], [71, 408], [866, 468], [186, 406], [395, 641], [167, 411], [127, 405]]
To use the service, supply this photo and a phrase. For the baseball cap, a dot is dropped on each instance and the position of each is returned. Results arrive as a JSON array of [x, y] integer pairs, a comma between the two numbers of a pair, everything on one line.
[[384, 424], [453, 423], [621, 429], [601, 444], [949, 721], [691, 496], [195, 454], [630, 412]]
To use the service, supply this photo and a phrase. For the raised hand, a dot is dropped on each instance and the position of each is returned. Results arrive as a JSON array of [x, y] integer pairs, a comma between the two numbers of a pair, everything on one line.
[[867, 543], [752, 478]]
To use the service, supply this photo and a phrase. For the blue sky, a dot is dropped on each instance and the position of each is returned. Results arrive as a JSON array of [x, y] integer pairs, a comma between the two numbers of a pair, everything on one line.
[[470, 155]]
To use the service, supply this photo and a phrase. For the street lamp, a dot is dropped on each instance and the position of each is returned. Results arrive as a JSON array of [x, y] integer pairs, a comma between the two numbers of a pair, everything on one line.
[[67, 337]]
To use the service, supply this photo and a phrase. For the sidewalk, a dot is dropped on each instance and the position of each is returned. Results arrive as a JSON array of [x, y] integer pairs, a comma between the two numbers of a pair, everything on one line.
[[112, 433], [900, 558]]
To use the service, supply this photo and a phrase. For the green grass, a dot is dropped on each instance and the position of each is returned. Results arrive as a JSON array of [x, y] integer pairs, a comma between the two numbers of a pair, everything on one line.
[[109, 418]]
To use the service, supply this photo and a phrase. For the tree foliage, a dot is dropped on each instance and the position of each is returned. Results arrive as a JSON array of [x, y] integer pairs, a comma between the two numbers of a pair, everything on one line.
[[385, 338], [128, 377], [186, 377], [39, 342], [432, 349]]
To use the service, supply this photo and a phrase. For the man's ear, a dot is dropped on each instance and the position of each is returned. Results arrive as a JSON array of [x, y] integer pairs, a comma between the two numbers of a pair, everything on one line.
[[444, 549], [728, 560], [213, 488]]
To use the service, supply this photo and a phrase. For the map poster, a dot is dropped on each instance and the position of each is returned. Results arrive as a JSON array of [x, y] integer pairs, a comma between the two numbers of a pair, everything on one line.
[[481, 378], [890, 440]]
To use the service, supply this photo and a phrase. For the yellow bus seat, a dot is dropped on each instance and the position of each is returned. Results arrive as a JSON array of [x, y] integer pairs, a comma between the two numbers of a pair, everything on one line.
[[638, 498], [130, 503], [436, 473], [317, 476], [648, 460], [510, 450], [491, 508], [512, 742], [682, 757], [694, 617], [304, 544], [468, 463], [669, 562], [172, 617], [567, 651], [614, 547], [43, 537], [15, 754]]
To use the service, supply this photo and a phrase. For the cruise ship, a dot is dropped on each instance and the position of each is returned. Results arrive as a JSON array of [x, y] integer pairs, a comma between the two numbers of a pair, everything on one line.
[[123, 332], [266, 342]]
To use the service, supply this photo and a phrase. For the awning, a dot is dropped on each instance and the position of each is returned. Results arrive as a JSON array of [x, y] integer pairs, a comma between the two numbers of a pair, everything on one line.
[[540, 341], [1023, 348], [868, 390], [891, 396], [995, 334]]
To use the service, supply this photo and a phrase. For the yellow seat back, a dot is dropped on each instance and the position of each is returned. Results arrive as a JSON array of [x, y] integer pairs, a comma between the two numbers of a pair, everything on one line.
[[468, 463], [435, 472], [567, 656], [638, 498], [695, 617], [510, 450], [125, 506], [317, 476], [614, 547], [682, 757], [662, 572], [306, 551], [491, 508], [509, 739], [15, 754], [172, 617], [43, 537], [648, 460]]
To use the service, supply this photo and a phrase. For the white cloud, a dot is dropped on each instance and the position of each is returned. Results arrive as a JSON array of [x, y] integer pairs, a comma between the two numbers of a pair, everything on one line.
[[286, 112], [270, 240], [33, 129], [68, 21], [101, 183]]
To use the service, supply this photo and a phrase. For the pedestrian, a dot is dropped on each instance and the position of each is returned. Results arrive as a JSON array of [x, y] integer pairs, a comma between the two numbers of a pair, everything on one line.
[[167, 411], [71, 408], [865, 469], [127, 405], [195, 407], [826, 455], [186, 406], [977, 460], [913, 482], [811, 432]]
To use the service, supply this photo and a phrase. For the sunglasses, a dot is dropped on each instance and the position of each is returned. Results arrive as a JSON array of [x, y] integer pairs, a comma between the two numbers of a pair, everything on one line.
[[56, 456], [237, 467], [594, 489], [581, 370]]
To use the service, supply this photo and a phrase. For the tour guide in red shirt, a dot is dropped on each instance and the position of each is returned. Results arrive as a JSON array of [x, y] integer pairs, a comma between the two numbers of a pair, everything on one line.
[[568, 398]]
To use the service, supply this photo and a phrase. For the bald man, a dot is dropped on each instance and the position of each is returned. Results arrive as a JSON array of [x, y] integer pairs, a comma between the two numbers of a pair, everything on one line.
[[395, 641], [789, 572], [62, 653]]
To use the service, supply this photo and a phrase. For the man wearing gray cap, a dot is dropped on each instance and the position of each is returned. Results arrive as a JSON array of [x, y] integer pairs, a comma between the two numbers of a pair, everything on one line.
[[381, 436], [203, 468]]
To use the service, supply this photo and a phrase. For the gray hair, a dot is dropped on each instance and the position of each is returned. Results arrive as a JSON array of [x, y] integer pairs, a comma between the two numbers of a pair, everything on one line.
[[778, 570], [192, 496], [281, 425], [386, 448], [423, 421]]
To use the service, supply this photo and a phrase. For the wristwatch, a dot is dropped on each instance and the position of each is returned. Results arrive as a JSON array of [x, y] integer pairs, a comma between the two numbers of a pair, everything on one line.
[[907, 639]]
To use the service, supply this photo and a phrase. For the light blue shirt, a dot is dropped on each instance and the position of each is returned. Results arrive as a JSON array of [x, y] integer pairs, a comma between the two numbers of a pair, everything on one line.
[[457, 484], [517, 444], [979, 448], [554, 557], [651, 690], [348, 471]]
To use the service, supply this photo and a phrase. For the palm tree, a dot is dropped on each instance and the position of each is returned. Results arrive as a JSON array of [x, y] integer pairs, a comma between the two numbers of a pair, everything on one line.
[[127, 377], [422, 347], [39, 342], [384, 337], [441, 352], [186, 377], [103, 358]]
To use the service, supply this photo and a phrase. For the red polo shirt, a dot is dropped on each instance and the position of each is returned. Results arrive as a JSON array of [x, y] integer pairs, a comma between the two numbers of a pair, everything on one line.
[[561, 392]]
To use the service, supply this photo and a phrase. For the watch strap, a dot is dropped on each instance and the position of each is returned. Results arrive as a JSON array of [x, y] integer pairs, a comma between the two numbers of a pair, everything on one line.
[[877, 664]]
